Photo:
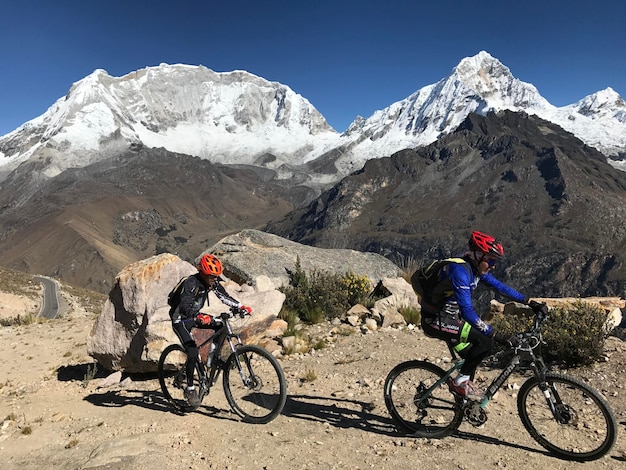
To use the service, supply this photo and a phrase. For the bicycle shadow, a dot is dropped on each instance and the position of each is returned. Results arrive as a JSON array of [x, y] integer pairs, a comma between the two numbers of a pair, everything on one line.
[[338, 412], [117, 396], [151, 400], [468, 436], [327, 410]]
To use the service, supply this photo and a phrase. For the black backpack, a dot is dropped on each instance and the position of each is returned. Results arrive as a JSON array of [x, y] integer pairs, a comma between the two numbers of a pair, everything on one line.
[[173, 298], [425, 280]]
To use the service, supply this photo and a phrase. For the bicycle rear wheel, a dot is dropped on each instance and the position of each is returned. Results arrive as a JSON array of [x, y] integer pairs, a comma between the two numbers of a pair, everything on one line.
[[173, 377], [254, 384], [415, 406], [584, 427]]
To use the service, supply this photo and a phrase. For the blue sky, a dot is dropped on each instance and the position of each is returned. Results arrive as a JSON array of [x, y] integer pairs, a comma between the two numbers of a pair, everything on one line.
[[347, 58]]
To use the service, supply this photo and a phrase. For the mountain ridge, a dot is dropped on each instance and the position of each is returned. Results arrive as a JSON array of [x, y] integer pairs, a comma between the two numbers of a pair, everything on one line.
[[237, 117]]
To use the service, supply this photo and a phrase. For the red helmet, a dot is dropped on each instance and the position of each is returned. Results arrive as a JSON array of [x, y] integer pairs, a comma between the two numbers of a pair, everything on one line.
[[485, 243], [210, 265]]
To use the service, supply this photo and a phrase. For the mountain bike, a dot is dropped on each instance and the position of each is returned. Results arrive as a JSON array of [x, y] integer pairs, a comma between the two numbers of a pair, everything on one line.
[[252, 379], [562, 413]]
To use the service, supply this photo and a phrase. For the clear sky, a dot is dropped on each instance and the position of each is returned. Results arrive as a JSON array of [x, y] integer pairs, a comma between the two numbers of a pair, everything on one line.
[[346, 57]]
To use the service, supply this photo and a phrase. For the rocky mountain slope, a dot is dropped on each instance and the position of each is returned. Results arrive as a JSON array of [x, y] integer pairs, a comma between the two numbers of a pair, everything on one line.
[[555, 203]]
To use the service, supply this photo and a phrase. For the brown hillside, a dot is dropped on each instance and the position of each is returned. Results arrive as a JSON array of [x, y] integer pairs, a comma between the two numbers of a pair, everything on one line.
[[85, 225]]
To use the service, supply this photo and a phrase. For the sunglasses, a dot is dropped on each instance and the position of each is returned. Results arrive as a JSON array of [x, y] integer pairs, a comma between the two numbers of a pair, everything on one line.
[[491, 262]]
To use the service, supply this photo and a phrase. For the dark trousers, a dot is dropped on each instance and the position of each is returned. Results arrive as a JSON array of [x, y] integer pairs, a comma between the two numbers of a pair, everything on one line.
[[449, 327], [184, 335]]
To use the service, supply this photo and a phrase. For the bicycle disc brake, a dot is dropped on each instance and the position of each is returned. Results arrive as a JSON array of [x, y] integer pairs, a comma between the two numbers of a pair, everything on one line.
[[565, 415], [474, 414], [180, 381], [253, 382]]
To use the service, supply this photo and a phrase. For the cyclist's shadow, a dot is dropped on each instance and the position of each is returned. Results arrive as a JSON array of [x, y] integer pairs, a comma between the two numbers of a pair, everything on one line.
[[346, 413], [339, 412], [118, 398]]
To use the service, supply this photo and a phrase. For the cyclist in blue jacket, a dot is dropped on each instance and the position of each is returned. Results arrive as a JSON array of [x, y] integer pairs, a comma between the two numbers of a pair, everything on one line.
[[451, 315]]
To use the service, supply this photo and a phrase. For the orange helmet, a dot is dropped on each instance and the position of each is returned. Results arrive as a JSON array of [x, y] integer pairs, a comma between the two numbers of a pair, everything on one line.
[[485, 243], [210, 265]]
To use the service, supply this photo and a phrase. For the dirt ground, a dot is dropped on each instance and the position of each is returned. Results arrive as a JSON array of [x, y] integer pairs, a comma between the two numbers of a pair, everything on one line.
[[54, 416]]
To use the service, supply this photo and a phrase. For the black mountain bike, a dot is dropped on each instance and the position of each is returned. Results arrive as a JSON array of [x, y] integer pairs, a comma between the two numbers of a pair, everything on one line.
[[562, 413], [253, 381]]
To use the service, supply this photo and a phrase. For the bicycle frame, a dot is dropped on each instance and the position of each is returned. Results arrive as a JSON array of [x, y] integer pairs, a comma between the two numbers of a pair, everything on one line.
[[223, 334], [528, 342]]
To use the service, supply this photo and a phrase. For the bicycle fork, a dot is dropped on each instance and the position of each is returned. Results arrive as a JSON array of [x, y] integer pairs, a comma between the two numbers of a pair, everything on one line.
[[550, 393]]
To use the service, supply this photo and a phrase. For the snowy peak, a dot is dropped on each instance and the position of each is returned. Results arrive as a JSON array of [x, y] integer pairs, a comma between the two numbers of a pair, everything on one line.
[[480, 84], [489, 79], [603, 103], [228, 117]]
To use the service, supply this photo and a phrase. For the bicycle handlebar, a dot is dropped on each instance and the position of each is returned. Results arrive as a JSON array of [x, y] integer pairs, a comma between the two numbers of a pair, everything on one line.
[[525, 338], [233, 312]]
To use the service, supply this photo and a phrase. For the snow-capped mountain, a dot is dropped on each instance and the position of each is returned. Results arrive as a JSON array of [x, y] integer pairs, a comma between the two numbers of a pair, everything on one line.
[[232, 117], [237, 117], [480, 84]]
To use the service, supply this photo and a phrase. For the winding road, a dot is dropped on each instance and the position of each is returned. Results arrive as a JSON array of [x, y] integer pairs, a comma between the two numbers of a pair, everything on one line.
[[50, 303]]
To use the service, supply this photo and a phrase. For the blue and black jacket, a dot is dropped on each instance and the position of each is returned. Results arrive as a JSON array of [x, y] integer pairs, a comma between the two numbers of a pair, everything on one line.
[[457, 283]]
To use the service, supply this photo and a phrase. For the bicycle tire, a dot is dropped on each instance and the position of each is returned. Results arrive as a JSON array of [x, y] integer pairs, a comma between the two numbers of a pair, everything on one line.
[[173, 377], [435, 416], [257, 393], [588, 430]]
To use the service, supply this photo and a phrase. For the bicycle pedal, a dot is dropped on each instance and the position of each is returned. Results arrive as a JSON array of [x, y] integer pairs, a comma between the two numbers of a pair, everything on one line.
[[474, 414]]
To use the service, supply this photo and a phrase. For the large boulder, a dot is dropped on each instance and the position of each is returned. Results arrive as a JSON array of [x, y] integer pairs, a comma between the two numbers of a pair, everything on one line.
[[251, 253], [398, 294], [134, 326]]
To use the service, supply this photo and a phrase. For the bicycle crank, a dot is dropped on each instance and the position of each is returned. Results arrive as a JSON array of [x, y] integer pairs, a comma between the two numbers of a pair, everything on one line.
[[474, 414]]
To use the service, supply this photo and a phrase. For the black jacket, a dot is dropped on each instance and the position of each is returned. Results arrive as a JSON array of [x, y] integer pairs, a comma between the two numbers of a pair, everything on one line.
[[193, 296]]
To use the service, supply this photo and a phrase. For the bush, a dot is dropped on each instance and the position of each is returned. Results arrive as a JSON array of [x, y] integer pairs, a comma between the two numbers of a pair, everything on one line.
[[411, 315], [20, 320], [318, 296], [574, 333]]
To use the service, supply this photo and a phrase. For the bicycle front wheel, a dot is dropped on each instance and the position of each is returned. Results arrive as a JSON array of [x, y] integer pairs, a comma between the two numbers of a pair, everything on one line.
[[173, 377], [254, 384], [417, 404], [582, 427]]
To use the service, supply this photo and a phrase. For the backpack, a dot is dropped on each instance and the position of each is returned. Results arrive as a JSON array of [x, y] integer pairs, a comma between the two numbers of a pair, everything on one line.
[[425, 280], [173, 298]]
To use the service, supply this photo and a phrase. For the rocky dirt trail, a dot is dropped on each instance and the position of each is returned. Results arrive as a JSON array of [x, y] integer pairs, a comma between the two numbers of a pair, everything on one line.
[[335, 418]]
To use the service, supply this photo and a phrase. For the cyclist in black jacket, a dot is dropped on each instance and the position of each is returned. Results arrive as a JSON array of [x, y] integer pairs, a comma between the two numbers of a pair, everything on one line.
[[185, 314]]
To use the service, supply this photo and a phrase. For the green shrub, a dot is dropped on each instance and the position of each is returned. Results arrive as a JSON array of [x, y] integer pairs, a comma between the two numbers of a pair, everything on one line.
[[317, 296], [410, 314], [574, 332], [292, 320]]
